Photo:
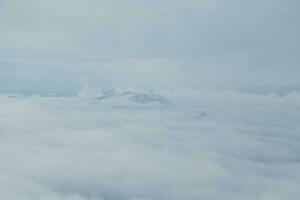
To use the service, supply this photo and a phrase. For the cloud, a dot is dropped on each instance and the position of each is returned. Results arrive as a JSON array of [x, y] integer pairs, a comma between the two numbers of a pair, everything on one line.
[[204, 144], [170, 143]]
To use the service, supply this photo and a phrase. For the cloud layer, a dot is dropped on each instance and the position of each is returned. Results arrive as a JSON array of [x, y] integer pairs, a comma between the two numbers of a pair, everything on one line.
[[202, 145]]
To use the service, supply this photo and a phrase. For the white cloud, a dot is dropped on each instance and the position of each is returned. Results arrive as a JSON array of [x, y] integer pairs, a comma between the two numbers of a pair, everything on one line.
[[205, 144]]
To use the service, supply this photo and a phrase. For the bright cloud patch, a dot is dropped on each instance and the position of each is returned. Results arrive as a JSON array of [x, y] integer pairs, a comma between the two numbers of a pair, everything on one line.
[[138, 146]]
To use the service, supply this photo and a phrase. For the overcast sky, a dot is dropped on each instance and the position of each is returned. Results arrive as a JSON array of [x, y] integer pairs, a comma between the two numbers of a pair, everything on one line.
[[63, 45]]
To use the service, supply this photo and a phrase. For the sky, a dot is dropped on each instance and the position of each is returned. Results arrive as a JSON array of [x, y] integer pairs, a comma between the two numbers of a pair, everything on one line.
[[60, 46]]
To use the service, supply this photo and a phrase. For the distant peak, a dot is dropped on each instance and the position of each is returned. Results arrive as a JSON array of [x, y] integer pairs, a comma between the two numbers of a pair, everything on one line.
[[134, 96]]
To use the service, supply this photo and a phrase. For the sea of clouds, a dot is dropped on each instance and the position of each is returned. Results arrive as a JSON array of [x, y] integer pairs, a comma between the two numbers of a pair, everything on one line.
[[208, 145]]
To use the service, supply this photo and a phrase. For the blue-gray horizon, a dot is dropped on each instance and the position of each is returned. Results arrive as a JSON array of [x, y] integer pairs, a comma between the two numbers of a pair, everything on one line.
[[64, 45]]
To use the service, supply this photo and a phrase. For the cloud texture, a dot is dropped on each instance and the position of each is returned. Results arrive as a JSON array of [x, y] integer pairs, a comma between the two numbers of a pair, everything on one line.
[[202, 145]]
